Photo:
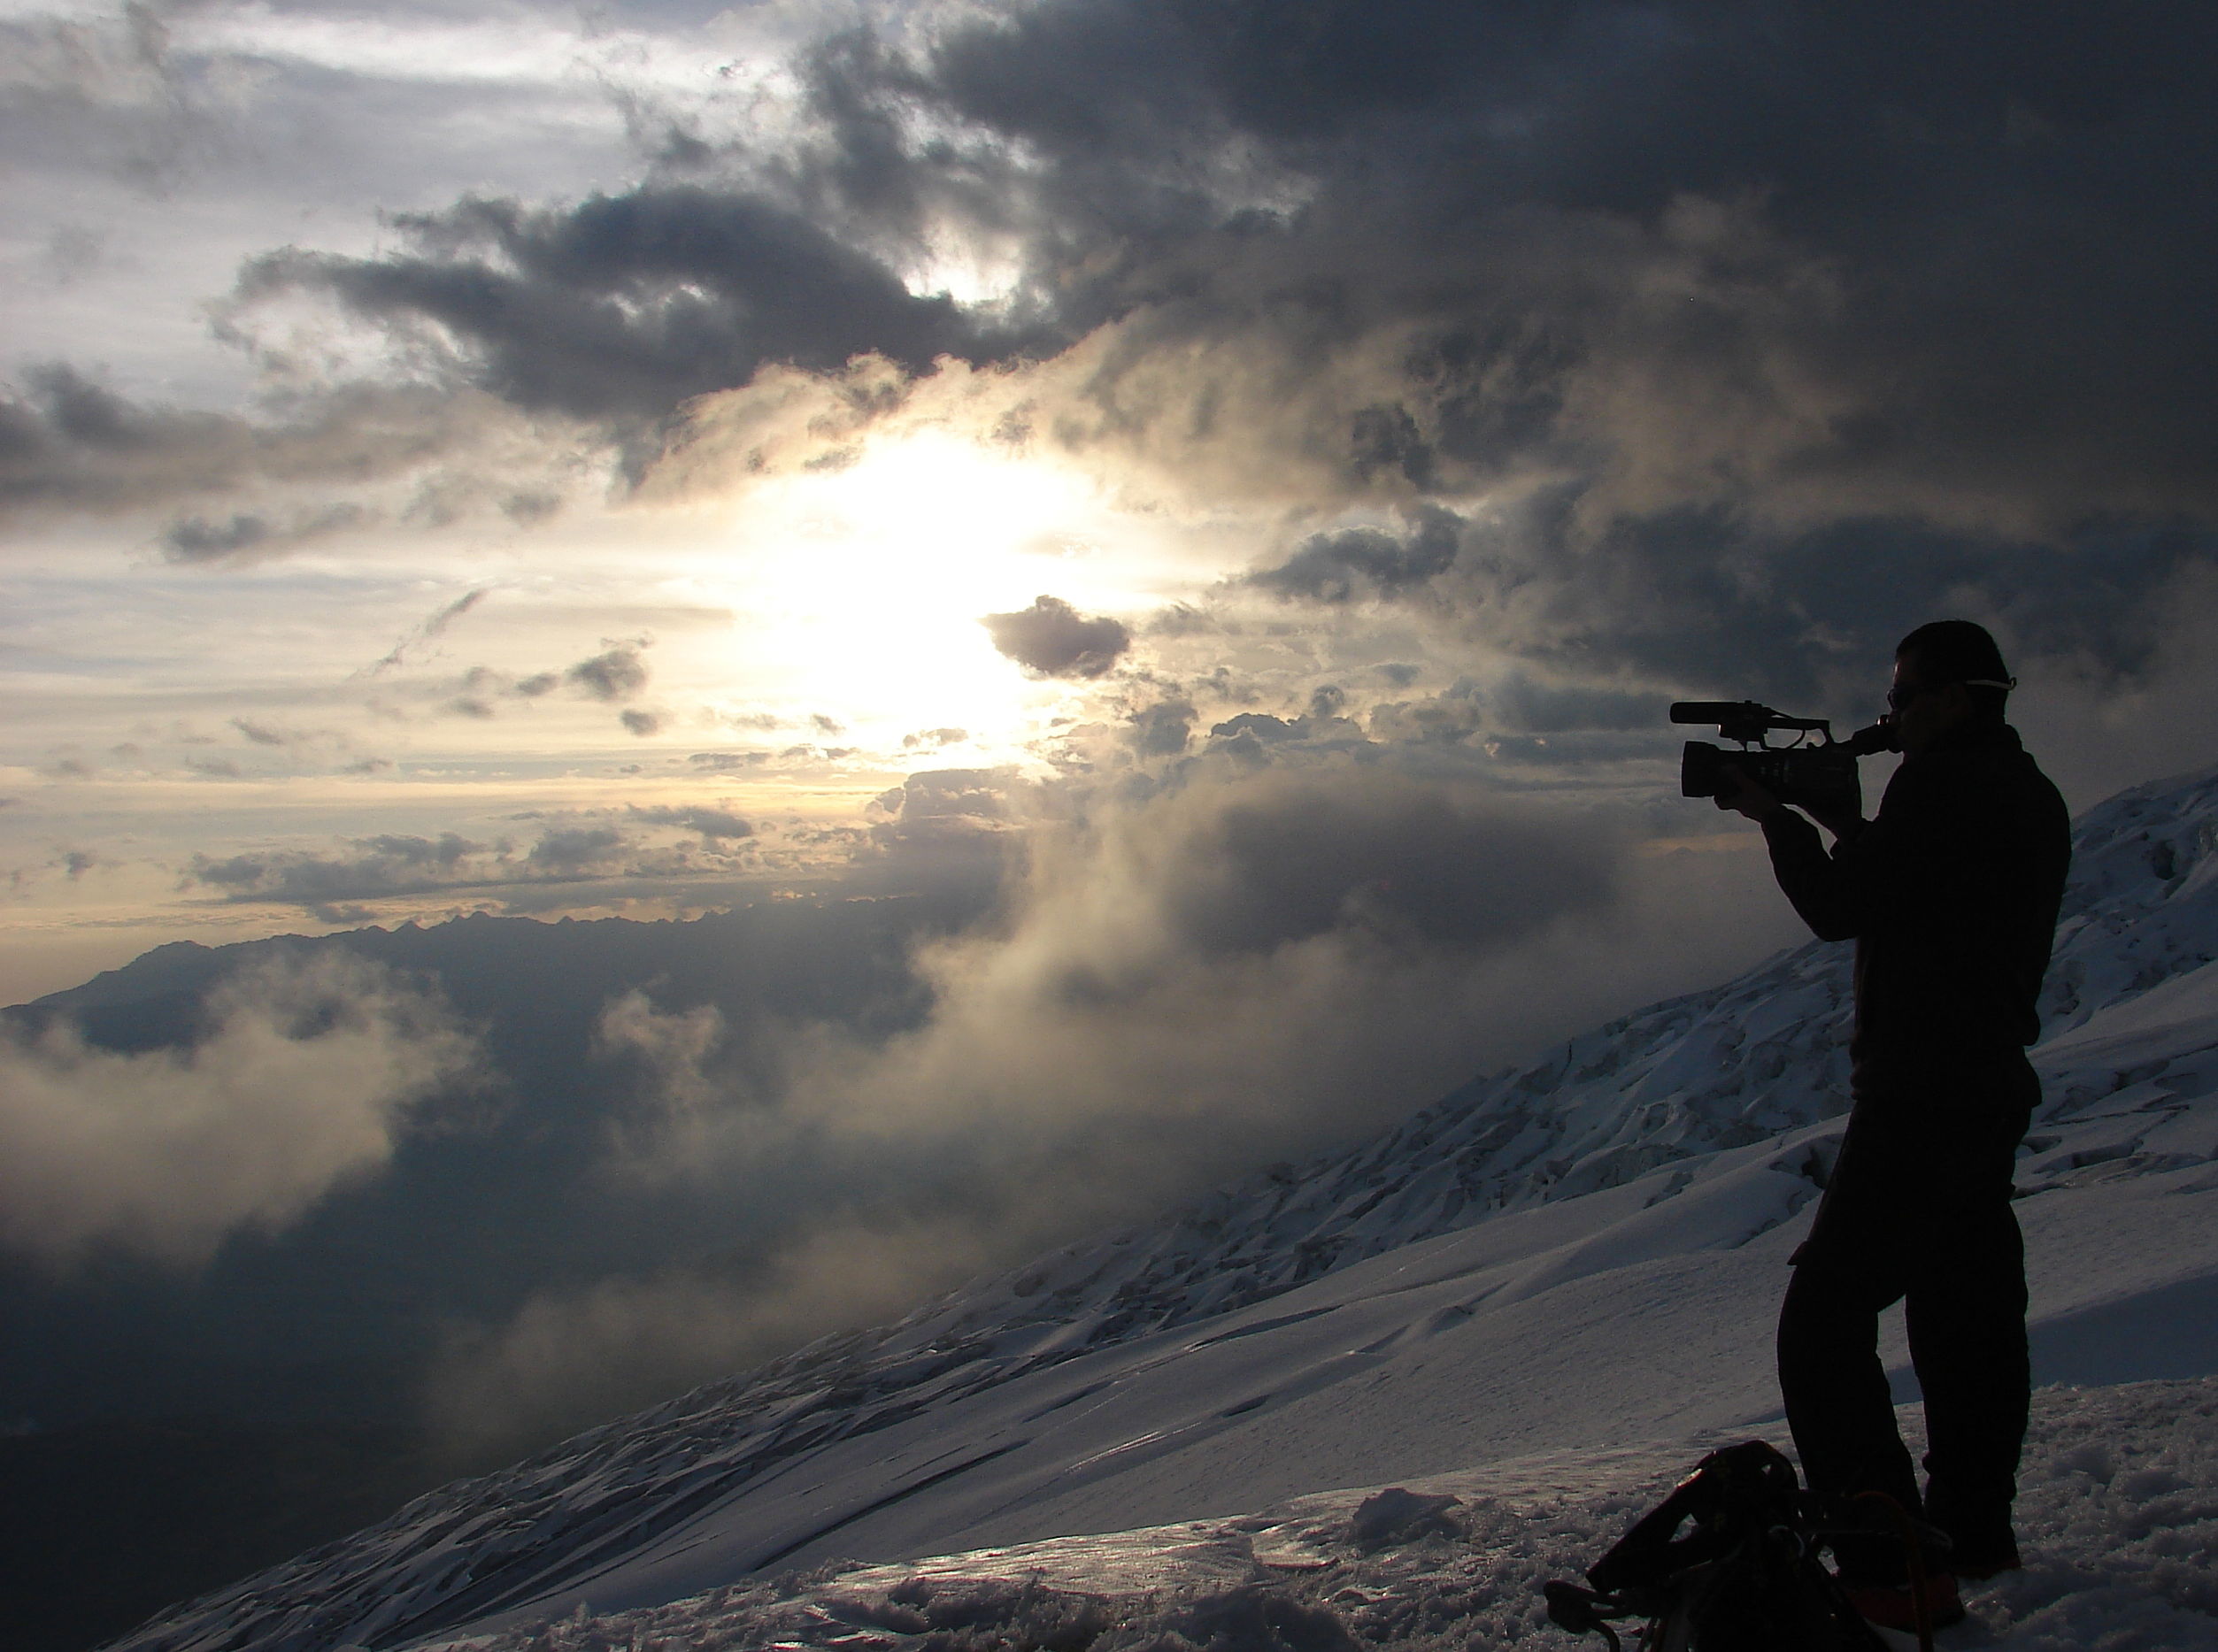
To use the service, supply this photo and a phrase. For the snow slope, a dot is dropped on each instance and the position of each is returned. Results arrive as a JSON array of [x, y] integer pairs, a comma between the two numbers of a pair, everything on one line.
[[2119, 1513], [1570, 1257]]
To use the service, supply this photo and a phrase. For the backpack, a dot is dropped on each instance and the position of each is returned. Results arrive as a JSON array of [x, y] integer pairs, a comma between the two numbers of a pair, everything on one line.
[[1744, 1577]]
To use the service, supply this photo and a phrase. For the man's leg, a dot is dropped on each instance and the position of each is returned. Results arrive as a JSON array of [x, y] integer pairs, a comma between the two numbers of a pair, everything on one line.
[[1838, 1405], [1965, 1309], [1967, 1323]]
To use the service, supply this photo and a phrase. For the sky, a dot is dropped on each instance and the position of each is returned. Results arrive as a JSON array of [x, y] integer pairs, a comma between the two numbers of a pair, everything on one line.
[[488, 457], [1223, 494]]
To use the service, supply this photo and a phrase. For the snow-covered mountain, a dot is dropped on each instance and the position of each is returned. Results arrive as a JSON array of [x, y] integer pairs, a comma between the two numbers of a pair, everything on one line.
[[1577, 1254]]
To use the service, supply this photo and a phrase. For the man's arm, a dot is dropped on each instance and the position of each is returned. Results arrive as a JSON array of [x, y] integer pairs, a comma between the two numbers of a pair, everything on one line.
[[1824, 891]]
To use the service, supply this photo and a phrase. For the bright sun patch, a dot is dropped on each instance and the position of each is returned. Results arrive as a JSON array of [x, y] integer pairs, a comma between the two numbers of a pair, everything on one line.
[[871, 583]]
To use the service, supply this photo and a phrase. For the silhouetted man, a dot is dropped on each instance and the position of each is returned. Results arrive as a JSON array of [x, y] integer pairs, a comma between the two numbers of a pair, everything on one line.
[[1951, 895]]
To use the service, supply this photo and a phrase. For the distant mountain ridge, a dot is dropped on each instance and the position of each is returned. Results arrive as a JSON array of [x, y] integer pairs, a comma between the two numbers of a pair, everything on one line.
[[1696, 1076]]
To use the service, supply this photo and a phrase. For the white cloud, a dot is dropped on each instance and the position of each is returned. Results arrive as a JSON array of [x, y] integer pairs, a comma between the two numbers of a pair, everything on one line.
[[305, 1081]]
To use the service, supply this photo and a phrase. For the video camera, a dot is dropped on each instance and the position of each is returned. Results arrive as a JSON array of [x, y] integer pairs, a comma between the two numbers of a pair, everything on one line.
[[1820, 777]]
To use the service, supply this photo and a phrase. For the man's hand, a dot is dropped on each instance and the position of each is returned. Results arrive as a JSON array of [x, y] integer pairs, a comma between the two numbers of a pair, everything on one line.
[[1842, 826], [1742, 795]]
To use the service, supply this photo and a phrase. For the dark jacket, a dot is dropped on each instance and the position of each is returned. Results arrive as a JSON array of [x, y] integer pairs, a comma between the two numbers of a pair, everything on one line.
[[1951, 895]]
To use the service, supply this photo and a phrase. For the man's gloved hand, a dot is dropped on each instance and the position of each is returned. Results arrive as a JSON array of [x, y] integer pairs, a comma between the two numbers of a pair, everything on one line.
[[1743, 796]]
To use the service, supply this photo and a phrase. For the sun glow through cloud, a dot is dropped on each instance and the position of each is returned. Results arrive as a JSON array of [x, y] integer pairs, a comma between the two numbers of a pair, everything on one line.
[[870, 583]]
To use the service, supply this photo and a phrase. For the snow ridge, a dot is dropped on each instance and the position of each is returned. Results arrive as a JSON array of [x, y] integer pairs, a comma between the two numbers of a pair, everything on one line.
[[1738, 1064]]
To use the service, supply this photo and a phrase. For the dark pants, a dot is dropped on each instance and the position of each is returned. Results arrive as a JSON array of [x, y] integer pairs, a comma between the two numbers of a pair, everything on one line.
[[1917, 1212]]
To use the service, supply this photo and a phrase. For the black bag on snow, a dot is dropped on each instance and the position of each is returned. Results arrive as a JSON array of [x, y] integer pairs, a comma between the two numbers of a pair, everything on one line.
[[1743, 1577]]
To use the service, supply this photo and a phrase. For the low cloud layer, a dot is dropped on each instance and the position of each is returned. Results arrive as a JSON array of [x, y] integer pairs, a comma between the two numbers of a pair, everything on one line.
[[304, 1081], [625, 1342], [1242, 958], [339, 885], [1246, 965]]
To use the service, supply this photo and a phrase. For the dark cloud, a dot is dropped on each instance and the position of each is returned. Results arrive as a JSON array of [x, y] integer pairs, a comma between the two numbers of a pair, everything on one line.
[[617, 673], [1164, 729], [959, 800], [945, 832], [69, 442], [1890, 191], [1052, 639], [1249, 736], [1522, 702], [626, 304], [1294, 856], [578, 849], [247, 537], [1258, 726], [532, 506], [1724, 606], [1767, 321], [725, 762], [277, 736], [709, 822], [933, 737], [377, 866], [1454, 715], [434, 627], [1718, 602], [1361, 561], [341, 885], [109, 94]]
